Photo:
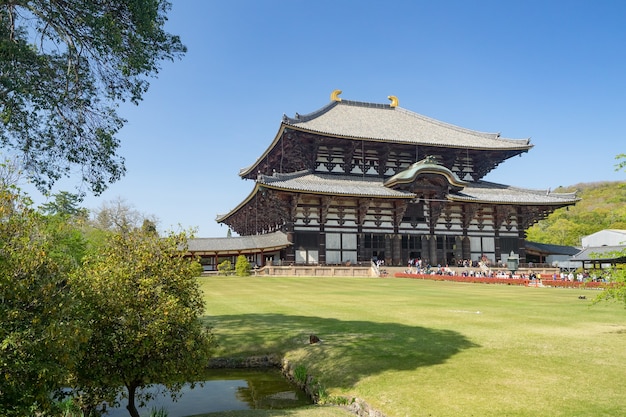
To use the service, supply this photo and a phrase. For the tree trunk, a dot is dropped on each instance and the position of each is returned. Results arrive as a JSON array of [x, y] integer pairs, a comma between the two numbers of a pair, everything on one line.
[[132, 409]]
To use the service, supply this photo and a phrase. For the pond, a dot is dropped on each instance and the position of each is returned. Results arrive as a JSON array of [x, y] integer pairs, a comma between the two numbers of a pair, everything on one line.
[[226, 390]]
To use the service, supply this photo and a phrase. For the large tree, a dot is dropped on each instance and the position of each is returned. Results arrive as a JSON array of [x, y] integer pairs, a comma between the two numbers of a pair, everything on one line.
[[66, 205], [119, 215], [64, 68], [39, 330], [145, 305]]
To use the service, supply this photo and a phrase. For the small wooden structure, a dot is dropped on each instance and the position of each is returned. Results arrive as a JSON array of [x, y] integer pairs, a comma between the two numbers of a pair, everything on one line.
[[259, 249]]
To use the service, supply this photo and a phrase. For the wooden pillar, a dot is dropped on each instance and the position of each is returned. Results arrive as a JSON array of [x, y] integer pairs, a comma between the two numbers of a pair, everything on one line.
[[458, 249], [290, 251], [467, 251], [425, 250], [498, 249], [397, 250], [388, 249], [521, 237], [432, 249], [321, 255]]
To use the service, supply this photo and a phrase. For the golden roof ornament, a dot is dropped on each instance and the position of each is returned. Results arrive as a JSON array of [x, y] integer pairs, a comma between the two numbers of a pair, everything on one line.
[[334, 96], [394, 101]]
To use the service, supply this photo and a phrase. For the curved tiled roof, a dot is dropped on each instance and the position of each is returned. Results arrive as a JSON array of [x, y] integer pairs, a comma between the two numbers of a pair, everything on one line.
[[382, 122], [489, 192], [306, 181], [479, 192], [601, 253], [269, 241], [551, 249]]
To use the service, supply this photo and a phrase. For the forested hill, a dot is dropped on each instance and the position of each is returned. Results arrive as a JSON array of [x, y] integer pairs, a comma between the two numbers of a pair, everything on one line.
[[602, 206]]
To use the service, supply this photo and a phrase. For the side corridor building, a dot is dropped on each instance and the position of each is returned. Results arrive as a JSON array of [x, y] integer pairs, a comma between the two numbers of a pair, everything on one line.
[[356, 181]]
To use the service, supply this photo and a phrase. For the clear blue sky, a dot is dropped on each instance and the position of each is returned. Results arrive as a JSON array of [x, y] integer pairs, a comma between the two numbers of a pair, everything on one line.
[[554, 71]]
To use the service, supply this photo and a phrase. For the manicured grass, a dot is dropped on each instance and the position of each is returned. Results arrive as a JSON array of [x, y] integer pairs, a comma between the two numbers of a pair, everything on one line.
[[423, 348]]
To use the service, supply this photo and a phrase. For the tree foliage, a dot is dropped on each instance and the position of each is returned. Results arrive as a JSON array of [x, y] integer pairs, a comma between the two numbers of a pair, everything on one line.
[[225, 267], [615, 290], [39, 331], [242, 266], [145, 307], [64, 69], [621, 165], [65, 204], [602, 206], [119, 215]]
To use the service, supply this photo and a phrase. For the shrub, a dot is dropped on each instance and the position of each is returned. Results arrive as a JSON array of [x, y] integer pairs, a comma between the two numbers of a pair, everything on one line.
[[225, 268], [242, 267]]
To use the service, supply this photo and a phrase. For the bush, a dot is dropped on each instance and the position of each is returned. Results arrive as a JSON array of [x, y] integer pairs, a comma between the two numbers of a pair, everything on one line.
[[225, 268], [242, 267]]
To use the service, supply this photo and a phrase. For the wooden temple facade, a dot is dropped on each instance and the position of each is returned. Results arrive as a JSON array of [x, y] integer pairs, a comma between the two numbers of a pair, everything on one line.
[[354, 181]]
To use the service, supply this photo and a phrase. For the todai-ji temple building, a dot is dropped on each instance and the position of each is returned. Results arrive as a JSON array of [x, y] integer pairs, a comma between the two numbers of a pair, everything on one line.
[[355, 181]]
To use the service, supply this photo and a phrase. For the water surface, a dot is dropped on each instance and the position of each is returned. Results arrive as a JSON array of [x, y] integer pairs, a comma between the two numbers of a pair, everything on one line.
[[226, 390]]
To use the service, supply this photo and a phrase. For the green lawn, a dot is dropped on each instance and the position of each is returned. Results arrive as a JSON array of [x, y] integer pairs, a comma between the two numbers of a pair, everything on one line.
[[424, 348]]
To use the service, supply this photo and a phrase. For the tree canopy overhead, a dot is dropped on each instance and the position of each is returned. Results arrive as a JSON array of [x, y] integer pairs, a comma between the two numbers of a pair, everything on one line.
[[64, 69]]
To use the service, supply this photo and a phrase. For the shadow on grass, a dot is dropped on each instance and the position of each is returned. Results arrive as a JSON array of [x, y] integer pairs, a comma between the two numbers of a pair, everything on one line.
[[349, 351], [315, 411]]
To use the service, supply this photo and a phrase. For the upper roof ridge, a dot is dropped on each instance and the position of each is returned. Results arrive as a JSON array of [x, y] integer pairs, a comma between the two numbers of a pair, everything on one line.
[[303, 118], [299, 118], [282, 176]]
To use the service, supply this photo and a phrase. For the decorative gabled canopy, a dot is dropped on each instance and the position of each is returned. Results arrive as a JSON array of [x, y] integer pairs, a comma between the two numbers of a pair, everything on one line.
[[428, 165]]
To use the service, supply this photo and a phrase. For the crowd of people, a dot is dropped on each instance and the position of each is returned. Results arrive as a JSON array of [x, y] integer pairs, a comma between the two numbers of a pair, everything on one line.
[[466, 268]]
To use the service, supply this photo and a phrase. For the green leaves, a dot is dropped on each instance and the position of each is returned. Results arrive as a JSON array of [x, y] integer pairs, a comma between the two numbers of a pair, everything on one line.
[[144, 304], [96, 315], [601, 207], [39, 332], [242, 266], [64, 68]]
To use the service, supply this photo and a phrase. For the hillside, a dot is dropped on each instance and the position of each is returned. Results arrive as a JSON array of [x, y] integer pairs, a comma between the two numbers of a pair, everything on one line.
[[602, 206]]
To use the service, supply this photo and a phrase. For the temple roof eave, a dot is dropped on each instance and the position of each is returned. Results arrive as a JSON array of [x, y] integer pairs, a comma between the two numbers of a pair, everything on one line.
[[473, 192], [488, 192], [557, 204], [220, 218], [361, 120], [238, 244], [481, 192], [522, 145], [328, 184], [406, 196], [248, 170], [382, 123]]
